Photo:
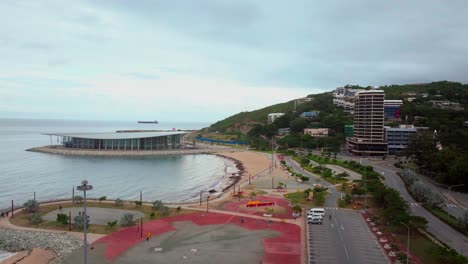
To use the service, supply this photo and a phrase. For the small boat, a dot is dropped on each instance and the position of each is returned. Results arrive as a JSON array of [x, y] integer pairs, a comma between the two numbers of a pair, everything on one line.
[[148, 122]]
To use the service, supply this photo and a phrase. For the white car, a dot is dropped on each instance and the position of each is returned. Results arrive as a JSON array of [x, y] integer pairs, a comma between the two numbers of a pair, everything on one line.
[[314, 220]]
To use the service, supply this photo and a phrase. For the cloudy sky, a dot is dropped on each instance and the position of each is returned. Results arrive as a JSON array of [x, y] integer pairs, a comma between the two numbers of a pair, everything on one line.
[[205, 60]]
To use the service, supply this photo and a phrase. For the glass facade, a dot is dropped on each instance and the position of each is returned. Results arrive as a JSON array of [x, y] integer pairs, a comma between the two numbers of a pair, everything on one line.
[[150, 143]]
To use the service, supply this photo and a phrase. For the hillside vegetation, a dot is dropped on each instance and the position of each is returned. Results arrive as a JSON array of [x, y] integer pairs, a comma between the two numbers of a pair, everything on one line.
[[448, 166]]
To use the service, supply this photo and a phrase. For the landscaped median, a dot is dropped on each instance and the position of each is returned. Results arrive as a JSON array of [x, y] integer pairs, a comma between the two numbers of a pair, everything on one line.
[[433, 202]]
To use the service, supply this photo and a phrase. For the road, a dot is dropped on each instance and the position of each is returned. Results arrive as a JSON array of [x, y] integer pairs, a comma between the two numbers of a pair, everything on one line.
[[454, 207], [345, 238], [439, 229]]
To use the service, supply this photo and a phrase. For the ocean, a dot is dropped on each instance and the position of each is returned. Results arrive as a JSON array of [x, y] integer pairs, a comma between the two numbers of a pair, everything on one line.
[[175, 178]]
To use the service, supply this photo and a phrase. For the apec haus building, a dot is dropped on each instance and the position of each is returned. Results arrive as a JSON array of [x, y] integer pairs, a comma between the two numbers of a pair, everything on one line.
[[121, 140]]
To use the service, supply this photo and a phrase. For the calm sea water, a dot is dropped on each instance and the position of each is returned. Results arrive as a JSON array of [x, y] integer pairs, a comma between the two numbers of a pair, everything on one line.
[[169, 178]]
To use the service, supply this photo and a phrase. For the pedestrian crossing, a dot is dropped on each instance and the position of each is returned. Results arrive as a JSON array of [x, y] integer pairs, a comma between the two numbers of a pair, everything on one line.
[[448, 205], [331, 208]]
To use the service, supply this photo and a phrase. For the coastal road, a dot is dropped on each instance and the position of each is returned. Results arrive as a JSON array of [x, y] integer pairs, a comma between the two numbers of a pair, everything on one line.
[[345, 238], [438, 228]]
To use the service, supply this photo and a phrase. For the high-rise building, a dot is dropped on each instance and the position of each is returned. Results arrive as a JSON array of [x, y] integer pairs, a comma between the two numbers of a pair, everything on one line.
[[369, 136]]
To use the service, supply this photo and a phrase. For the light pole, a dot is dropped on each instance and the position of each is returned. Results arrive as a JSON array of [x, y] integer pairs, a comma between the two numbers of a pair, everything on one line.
[[408, 245], [85, 187], [207, 199], [201, 192]]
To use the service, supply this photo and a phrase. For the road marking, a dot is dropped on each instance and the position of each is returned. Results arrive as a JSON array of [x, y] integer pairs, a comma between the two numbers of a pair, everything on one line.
[[332, 225], [342, 227], [346, 251]]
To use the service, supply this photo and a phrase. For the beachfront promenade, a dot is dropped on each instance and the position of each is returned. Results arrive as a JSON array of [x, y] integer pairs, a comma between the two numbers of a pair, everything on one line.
[[256, 164]]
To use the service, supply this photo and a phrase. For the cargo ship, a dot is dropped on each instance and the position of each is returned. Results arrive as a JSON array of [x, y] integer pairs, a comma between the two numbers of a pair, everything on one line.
[[148, 122]]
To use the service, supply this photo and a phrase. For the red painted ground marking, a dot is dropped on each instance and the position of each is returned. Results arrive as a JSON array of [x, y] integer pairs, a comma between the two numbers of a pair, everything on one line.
[[240, 206], [284, 248]]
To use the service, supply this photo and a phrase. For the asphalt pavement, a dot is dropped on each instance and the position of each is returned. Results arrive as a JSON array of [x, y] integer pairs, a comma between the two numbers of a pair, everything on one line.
[[438, 228], [345, 238]]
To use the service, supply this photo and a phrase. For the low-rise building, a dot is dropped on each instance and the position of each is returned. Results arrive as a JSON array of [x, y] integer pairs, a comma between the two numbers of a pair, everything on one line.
[[398, 138], [273, 116], [310, 115], [284, 131], [392, 109], [446, 105], [316, 132]]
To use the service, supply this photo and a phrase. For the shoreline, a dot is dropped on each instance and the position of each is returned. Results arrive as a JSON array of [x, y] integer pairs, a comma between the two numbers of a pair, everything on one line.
[[127, 153]]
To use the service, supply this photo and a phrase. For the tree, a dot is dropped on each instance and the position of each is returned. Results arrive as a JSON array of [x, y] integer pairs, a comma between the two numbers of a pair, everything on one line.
[[79, 220], [127, 220], [31, 206], [297, 208], [298, 125], [158, 205], [118, 202], [35, 219]]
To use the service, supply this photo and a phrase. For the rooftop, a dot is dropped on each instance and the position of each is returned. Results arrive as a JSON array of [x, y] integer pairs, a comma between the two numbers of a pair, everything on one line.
[[118, 135]]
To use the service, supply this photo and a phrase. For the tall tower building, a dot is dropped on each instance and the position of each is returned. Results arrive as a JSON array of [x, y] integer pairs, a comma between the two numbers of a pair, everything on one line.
[[369, 136]]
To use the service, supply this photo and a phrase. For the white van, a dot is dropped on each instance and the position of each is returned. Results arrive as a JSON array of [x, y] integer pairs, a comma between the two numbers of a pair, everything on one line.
[[316, 211]]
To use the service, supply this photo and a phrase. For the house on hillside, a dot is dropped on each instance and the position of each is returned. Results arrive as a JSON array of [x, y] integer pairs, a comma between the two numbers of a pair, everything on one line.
[[316, 132]]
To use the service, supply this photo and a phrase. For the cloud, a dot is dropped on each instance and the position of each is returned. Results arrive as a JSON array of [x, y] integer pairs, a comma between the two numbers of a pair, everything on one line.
[[218, 57]]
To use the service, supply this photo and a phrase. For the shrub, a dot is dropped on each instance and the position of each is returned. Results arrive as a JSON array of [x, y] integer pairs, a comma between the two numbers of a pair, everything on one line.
[[435, 200], [178, 209], [463, 220], [78, 199], [297, 208], [305, 178], [419, 191], [35, 219], [341, 203], [164, 211], [152, 215], [111, 224], [283, 162], [79, 220], [62, 218], [138, 203], [31, 206], [127, 220], [102, 198], [158, 205], [118, 202]]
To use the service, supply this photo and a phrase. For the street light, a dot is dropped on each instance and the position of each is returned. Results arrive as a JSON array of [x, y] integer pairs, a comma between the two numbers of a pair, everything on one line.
[[207, 199], [85, 187], [408, 245], [201, 192]]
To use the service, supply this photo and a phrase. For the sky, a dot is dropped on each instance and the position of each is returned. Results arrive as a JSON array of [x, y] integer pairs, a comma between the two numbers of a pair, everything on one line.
[[206, 60]]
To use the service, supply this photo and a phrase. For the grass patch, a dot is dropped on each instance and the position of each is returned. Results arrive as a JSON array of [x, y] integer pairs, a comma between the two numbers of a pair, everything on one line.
[[22, 218], [301, 198]]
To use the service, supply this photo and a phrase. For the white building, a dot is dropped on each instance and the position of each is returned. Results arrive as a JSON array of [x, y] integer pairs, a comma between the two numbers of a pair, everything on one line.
[[316, 132], [273, 116]]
